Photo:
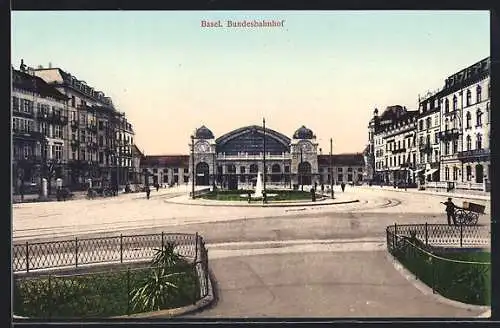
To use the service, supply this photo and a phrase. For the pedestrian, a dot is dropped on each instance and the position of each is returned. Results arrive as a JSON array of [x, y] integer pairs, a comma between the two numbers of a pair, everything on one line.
[[342, 185], [450, 211], [322, 188], [148, 192], [157, 187]]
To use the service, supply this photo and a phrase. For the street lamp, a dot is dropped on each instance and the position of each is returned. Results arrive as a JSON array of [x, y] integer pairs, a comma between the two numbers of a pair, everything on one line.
[[331, 166], [213, 174], [300, 171], [192, 167], [264, 197]]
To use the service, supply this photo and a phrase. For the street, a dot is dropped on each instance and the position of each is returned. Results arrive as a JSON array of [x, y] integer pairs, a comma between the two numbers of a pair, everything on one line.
[[311, 261]]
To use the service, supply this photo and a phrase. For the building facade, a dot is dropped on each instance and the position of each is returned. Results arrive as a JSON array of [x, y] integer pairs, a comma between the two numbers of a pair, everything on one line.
[[428, 136], [465, 127], [234, 160], [39, 134], [395, 149], [100, 137], [452, 129]]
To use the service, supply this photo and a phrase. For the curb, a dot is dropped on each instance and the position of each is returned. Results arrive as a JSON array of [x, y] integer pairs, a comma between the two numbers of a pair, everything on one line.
[[443, 194], [427, 291], [298, 204]]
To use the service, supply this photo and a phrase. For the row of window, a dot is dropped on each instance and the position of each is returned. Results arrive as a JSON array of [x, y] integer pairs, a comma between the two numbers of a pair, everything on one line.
[[176, 170], [428, 123], [407, 143], [27, 106], [478, 168], [23, 125], [468, 99], [101, 158]]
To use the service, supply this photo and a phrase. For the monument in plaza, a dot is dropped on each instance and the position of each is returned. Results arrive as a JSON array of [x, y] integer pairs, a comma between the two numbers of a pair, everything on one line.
[[259, 189]]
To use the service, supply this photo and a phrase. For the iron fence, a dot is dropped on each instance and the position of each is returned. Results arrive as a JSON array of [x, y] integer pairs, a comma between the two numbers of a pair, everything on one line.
[[119, 249], [461, 276], [98, 293], [442, 235]]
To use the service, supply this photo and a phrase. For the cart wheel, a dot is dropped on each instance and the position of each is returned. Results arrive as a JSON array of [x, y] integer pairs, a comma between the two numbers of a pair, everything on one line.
[[460, 216]]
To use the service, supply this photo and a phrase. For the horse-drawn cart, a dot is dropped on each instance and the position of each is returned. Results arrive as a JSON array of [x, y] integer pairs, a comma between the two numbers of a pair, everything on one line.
[[469, 213]]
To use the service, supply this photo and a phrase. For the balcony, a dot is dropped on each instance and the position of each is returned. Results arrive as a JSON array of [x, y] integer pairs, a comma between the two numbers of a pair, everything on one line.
[[474, 154], [426, 148], [399, 151], [449, 135], [92, 145], [92, 128], [53, 118]]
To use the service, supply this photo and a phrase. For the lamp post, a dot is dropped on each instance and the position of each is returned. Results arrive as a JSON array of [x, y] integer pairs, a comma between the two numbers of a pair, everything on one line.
[[192, 167], [213, 174], [300, 172], [264, 197], [331, 166]]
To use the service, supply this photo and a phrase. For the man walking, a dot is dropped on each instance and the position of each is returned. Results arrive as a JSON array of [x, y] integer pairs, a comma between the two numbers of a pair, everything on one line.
[[450, 211]]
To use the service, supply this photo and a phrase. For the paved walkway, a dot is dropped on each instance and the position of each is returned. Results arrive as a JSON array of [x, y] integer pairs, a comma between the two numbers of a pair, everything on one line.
[[455, 194], [360, 283]]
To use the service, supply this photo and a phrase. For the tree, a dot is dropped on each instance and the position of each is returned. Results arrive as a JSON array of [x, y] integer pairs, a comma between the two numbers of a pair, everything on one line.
[[51, 169]]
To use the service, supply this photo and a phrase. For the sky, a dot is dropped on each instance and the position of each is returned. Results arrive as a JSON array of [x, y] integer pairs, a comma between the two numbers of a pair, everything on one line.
[[326, 70]]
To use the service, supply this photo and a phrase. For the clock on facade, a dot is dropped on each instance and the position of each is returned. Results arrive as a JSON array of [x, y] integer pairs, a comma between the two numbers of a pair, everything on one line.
[[202, 147], [305, 146]]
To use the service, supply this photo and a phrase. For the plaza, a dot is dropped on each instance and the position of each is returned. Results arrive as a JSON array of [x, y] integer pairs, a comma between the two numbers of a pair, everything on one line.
[[279, 261]]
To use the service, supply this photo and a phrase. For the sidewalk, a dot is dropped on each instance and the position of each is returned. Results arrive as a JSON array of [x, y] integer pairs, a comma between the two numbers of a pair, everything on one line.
[[484, 196], [186, 200]]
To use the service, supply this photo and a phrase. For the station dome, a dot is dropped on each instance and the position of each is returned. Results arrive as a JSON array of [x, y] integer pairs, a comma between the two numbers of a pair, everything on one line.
[[204, 133], [303, 133]]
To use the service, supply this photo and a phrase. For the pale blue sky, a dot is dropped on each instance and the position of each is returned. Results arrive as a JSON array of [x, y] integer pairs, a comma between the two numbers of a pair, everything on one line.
[[326, 70]]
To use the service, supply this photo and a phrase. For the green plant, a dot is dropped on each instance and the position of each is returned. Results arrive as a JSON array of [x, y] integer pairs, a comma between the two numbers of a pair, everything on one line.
[[153, 294], [162, 284]]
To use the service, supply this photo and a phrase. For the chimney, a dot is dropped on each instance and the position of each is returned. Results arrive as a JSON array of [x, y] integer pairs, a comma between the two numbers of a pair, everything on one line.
[[50, 65]]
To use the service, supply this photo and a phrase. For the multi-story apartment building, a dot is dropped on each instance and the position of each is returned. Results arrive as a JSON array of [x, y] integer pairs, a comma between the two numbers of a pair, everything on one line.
[[95, 151], [465, 127], [124, 144], [395, 145], [428, 132], [39, 120]]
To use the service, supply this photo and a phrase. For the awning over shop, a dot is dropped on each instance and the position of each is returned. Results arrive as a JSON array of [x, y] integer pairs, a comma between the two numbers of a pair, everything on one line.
[[416, 171], [432, 171]]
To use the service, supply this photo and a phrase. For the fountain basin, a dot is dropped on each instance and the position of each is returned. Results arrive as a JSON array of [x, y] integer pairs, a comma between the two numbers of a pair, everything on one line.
[[255, 196]]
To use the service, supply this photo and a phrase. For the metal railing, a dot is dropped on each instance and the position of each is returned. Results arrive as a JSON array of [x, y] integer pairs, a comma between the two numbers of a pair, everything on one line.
[[79, 252], [421, 248], [441, 235]]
